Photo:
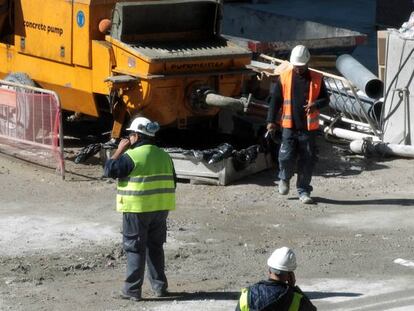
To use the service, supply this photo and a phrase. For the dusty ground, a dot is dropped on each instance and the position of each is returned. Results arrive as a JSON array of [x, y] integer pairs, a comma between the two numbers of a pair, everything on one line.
[[59, 242]]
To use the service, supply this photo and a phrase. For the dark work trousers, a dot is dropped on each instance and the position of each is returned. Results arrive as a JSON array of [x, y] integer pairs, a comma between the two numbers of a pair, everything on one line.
[[298, 150], [143, 237]]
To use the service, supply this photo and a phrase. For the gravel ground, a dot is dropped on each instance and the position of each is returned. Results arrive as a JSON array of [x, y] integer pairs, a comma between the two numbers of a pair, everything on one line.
[[60, 242]]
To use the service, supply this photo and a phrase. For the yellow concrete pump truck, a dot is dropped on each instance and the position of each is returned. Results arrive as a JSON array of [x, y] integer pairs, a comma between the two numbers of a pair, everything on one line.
[[163, 59]]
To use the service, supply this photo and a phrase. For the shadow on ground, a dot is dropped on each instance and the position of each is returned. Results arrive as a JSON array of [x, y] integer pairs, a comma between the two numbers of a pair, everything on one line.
[[400, 202], [322, 295], [184, 296]]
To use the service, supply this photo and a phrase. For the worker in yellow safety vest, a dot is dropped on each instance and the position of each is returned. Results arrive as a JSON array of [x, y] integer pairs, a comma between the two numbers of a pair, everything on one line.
[[299, 95], [145, 195], [279, 291]]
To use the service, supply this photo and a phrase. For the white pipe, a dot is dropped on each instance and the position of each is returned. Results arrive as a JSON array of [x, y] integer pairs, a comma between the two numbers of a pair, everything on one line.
[[347, 134], [359, 146], [346, 120]]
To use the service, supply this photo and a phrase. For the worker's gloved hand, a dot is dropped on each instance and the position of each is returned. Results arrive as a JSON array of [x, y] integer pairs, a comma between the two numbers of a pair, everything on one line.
[[271, 126], [123, 145], [291, 279], [310, 107], [274, 135]]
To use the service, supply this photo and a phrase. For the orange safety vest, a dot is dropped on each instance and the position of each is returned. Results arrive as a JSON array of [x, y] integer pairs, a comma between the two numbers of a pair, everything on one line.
[[314, 89]]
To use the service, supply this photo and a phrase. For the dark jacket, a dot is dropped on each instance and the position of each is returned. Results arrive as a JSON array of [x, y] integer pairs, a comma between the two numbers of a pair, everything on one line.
[[272, 295], [300, 93]]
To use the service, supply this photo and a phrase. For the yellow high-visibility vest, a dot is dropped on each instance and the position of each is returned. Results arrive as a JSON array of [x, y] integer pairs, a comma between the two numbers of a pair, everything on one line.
[[150, 186], [244, 301]]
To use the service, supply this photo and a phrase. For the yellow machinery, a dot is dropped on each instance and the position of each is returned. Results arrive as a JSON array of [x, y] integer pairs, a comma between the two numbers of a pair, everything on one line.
[[164, 59]]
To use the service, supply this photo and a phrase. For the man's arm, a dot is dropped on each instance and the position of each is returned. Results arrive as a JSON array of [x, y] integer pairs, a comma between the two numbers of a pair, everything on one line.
[[323, 98], [321, 102], [119, 165], [274, 106], [174, 175]]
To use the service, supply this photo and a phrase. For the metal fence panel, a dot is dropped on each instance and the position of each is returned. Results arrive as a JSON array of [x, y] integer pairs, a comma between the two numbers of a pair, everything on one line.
[[30, 124]]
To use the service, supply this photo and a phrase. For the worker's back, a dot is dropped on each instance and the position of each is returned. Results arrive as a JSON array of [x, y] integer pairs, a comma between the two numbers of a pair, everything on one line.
[[273, 295]]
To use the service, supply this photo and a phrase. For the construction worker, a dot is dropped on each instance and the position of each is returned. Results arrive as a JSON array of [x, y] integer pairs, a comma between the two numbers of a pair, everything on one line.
[[146, 192], [299, 95], [279, 291]]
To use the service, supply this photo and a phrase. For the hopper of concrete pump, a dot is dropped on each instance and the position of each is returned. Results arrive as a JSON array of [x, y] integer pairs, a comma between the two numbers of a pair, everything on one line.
[[275, 34], [174, 30], [149, 21]]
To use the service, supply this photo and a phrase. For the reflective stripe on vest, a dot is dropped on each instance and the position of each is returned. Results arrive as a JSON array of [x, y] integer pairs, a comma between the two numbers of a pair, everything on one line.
[[150, 186], [147, 178], [314, 90], [295, 304], [244, 300]]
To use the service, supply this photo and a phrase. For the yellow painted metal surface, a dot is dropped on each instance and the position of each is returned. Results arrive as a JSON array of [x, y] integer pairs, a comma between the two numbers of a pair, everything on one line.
[[230, 85], [81, 35], [103, 61], [44, 29], [127, 60], [75, 99], [87, 15], [59, 77], [58, 44]]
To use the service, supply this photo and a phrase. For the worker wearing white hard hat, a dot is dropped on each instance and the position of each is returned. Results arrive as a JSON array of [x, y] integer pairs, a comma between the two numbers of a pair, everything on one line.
[[279, 292], [298, 96], [145, 195], [299, 56], [144, 126]]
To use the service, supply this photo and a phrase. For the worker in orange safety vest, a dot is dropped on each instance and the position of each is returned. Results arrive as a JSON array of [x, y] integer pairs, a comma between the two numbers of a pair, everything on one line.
[[299, 95]]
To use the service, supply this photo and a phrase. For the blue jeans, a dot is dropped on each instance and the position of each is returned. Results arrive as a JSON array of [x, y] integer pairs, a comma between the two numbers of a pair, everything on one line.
[[298, 148], [143, 237]]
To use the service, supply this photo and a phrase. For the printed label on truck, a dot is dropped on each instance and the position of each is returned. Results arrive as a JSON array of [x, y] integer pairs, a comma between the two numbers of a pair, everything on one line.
[[195, 66], [42, 27]]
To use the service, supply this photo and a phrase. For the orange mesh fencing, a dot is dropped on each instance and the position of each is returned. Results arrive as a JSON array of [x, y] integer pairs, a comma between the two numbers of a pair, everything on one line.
[[30, 125]]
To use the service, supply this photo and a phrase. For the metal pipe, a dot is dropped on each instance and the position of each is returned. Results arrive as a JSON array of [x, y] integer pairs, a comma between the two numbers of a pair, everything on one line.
[[216, 100], [347, 134], [346, 120], [380, 148], [363, 79]]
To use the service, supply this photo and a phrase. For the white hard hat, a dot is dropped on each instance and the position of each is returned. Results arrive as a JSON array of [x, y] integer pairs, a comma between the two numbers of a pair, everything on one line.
[[144, 126], [282, 259], [299, 56]]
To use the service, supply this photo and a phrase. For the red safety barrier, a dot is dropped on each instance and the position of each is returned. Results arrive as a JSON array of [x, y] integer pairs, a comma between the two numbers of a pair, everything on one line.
[[30, 124]]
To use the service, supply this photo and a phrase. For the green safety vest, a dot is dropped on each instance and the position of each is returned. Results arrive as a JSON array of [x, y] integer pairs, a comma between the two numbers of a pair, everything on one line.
[[150, 186], [244, 301]]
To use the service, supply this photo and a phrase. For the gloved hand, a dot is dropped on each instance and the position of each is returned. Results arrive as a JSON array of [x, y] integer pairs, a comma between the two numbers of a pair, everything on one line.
[[271, 126], [274, 135]]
